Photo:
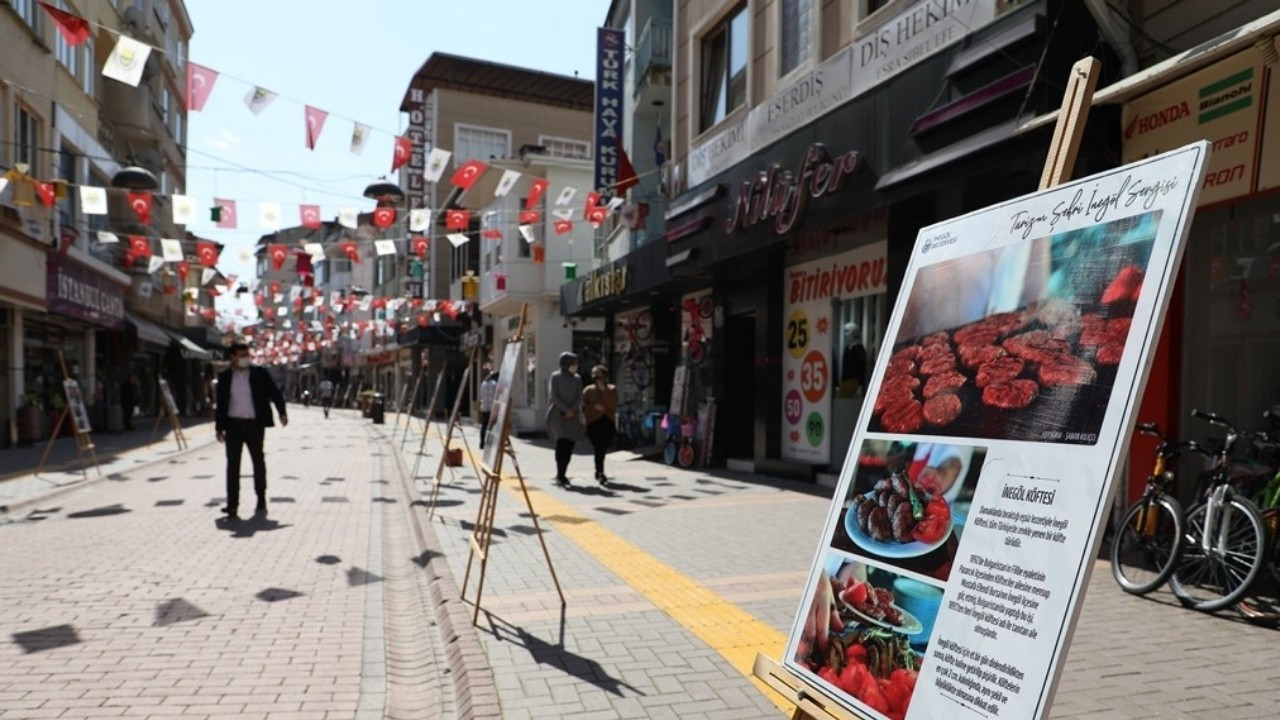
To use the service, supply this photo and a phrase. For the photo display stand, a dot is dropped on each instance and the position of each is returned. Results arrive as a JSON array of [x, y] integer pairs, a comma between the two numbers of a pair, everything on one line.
[[426, 424], [170, 411], [813, 703], [446, 437], [78, 416], [499, 447]]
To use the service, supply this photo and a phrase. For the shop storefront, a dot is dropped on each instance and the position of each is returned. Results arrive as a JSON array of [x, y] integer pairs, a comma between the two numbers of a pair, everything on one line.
[[22, 296]]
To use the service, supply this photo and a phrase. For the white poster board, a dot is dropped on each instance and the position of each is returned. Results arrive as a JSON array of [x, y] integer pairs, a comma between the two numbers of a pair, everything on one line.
[[75, 406], [501, 412], [955, 555], [166, 397]]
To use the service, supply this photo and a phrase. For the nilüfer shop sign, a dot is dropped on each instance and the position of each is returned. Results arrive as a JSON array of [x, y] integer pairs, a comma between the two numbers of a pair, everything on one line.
[[81, 294], [603, 283], [782, 196]]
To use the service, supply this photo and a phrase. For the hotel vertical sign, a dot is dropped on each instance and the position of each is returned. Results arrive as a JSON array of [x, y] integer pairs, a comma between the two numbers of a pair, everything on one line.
[[610, 54], [416, 187]]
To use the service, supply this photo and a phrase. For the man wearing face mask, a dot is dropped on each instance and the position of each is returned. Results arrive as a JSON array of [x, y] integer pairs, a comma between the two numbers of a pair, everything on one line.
[[564, 403], [244, 398]]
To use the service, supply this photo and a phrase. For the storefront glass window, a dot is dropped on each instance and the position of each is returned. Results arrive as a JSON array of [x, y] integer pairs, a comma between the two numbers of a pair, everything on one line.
[[862, 323]]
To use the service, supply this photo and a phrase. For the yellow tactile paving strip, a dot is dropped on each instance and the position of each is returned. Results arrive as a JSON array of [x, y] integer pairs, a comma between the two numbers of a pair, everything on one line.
[[724, 627]]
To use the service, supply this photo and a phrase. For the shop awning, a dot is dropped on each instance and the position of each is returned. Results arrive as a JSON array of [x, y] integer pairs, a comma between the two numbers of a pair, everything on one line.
[[975, 143], [148, 330], [190, 350]]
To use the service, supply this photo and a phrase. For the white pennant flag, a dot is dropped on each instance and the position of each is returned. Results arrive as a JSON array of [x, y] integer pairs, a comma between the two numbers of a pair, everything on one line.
[[615, 203], [359, 136], [436, 162], [277, 298], [509, 178], [184, 209], [294, 293], [385, 247], [269, 215], [315, 250], [258, 99], [458, 239], [286, 324], [246, 255], [365, 302], [563, 214], [93, 200], [419, 219], [566, 196], [171, 250], [107, 238], [144, 289], [154, 263], [127, 61], [526, 232], [348, 217], [207, 276]]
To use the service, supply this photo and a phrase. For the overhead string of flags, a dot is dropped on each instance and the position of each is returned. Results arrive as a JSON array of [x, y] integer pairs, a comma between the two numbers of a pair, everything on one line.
[[125, 64]]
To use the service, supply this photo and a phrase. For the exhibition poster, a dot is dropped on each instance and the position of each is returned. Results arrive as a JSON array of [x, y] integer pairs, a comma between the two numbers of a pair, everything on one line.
[[494, 442]]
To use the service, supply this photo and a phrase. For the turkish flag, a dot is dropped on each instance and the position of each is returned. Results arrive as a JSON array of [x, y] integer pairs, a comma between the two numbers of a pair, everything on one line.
[[423, 321], [259, 299], [209, 313], [200, 82], [597, 215], [400, 155], [278, 255], [302, 265], [227, 215], [420, 245], [315, 124], [183, 270], [627, 177], [141, 204], [378, 303], [207, 253], [457, 219], [349, 248], [538, 188], [492, 234], [384, 217], [563, 227], [466, 176], [74, 28], [274, 289], [593, 199], [529, 217], [139, 246], [48, 193], [310, 215]]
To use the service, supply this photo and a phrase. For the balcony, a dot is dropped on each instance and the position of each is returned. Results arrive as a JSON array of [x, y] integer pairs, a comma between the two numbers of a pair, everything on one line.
[[653, 54]]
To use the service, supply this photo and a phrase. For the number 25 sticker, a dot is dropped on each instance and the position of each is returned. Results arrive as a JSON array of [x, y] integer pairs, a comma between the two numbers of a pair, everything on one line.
[[797, 333], [814, 376]]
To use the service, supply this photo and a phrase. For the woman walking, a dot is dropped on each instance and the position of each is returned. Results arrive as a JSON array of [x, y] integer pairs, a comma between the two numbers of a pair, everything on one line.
[[564, 399], [600, 411]]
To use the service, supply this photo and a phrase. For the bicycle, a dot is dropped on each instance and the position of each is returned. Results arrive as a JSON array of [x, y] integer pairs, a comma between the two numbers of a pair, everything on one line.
[[1223, 538], [1256, 608], [639, 330], [696, 338], [681, 447], [1148, 542]]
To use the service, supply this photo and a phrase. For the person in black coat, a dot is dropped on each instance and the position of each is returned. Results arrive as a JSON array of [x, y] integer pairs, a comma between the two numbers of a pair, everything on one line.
[[244, 398]]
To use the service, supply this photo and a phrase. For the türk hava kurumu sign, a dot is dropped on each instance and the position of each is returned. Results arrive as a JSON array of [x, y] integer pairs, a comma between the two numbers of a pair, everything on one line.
[[955, 555], [808, 368]]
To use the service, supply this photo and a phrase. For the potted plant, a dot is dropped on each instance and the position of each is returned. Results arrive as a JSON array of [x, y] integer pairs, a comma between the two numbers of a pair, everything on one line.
[[58, 406]]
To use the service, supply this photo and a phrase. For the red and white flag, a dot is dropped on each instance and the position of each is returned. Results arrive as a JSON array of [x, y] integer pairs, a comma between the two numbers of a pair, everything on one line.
[[536, 191], [200, 80], [226, 218], [491, 233], [457, 219], [74, 28], [563, 227], [47, 193], [139, 246], [384, 217], [420, 245], [310, 216], [530, 217], [466, 176], [400, 155], [207, 253], [350, 250], [141, 204], [315, 124], [279, 253]]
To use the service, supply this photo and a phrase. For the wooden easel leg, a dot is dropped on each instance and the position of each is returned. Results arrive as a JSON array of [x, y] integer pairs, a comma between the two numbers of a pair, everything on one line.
[[48, 446], [481, 537], [155, 429], [542, 540]]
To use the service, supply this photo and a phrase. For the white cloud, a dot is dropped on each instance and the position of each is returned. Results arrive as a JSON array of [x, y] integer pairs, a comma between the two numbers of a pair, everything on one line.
[[226, 140]]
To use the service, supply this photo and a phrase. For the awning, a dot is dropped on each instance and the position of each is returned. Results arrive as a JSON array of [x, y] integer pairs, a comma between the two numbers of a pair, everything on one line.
[[190, 350], [977, 142], [148, 330]]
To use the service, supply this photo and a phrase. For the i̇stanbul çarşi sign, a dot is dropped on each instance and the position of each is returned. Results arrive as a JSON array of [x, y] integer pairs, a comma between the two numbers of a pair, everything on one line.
[[969, 509]]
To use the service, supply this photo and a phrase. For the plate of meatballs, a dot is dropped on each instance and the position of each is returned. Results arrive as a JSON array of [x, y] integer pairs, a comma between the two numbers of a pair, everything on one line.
[[898, 518]]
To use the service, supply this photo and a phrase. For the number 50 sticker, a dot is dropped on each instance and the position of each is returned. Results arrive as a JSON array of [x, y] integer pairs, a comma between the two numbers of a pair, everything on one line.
[[814, 376]]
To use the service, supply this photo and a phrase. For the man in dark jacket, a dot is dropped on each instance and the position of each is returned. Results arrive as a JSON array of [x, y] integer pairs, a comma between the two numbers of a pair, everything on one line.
[[244, 398]]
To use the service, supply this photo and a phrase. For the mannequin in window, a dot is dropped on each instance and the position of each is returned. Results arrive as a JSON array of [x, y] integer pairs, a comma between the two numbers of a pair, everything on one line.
[[853, 362]]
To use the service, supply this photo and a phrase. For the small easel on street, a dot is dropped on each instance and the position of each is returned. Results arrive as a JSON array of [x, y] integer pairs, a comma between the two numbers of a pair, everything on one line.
[[810, 701], [426, 424], [81, 431], [423, 368], [482, 534], [395, 427], [169, 410], [446, 437]]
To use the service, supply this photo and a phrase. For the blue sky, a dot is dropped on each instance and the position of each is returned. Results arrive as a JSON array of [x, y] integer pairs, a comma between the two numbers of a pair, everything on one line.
[[353, 59]]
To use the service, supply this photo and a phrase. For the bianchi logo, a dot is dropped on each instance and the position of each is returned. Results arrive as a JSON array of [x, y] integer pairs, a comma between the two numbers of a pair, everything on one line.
[[939, 241], [1226, 96]]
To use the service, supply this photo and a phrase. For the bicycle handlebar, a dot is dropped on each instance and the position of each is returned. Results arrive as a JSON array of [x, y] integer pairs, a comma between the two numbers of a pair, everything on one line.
[[1149, 428], [1213, 418]]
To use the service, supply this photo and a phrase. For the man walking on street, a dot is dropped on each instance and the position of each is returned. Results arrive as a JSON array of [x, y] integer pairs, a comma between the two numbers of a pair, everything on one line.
[[326, 395], [244, 398]]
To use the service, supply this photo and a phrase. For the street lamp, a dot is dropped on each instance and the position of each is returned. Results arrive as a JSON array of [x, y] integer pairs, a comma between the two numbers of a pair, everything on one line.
[[134, 178], [384, 191]]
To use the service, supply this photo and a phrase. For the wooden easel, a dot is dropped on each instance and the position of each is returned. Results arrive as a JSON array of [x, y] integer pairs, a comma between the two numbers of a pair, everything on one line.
[[446, 437], [395, 427], [426, 424], [79, 431], [482, 535], [811, 702], [170, 411], [413, 400]]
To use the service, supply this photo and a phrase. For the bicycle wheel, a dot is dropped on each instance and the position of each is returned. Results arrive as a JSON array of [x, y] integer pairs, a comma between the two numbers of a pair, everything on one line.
[[1146, 546], [686, 455], [1215, 578], [643, 325], [697, 351], [707, 306], [669, 452]]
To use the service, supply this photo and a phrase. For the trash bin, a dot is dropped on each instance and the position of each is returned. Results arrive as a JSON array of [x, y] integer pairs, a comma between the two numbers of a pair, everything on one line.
[[377, 409]]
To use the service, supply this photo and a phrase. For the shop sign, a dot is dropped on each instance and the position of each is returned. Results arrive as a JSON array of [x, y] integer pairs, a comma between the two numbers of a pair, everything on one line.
[[416, 190], [378, 358], [965, 522], [82, 294], [809, 370], [1221, 104], [782, 196], [604, 283], [610, 50], [913, 35], [811, 96], [730, 145], [1269, 161]]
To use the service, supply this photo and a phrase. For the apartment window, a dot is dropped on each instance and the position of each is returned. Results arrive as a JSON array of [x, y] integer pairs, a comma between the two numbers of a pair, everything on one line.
[[164, 104], [724, 69], [565, 148], [69, 208], [89, 69], [472, 142], [95, 222], [26, 138], [66, 54], [177, 128], [874, 5], [27, 10], [796, 30]]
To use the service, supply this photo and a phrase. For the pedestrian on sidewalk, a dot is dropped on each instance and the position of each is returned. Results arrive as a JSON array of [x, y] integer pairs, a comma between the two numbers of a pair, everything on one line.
[[600, 411], [244, 398], [488, 389], [564, 400], [326, 395]]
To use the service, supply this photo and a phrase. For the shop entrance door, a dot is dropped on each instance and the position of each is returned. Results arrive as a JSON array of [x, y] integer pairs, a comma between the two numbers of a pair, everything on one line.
[[737, 412]]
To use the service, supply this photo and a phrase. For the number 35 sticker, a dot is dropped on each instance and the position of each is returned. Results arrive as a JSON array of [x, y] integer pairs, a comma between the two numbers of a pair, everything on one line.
[[814, 376]]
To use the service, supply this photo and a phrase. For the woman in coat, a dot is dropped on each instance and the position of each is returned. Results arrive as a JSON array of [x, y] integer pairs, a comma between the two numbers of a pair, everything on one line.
[[564, 403]]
